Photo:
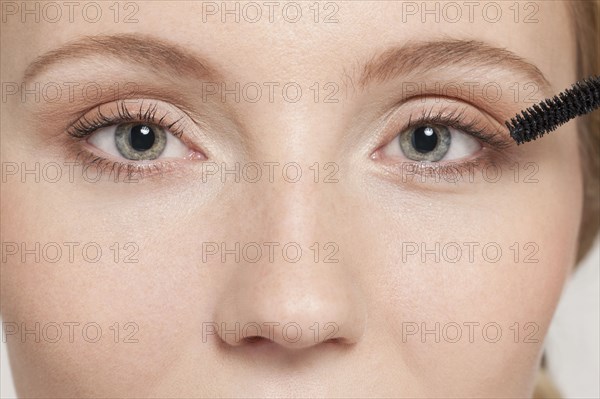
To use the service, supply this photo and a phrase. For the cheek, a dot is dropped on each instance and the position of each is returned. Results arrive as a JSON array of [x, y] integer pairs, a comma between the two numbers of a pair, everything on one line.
[[121, 281], [456, 269]]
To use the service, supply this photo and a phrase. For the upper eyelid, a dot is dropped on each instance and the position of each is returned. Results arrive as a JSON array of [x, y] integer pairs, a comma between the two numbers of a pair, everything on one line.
[[494, 135], [126, 92], [459, 121], [148, 110]]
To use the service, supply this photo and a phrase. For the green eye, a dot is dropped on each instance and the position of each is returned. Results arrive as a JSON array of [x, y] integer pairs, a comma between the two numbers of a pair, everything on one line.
[[140, 141], [426, 143]]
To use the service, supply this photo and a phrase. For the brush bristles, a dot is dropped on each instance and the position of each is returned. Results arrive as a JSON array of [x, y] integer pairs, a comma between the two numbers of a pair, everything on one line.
[[582, 98]]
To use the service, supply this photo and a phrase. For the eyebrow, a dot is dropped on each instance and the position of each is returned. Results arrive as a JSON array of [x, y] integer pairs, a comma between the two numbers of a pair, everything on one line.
[[404, 60], [148, 51], [422, 57]]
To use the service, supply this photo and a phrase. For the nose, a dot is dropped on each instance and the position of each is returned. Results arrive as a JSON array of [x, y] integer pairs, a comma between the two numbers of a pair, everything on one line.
[[295, 302], [295, 309]]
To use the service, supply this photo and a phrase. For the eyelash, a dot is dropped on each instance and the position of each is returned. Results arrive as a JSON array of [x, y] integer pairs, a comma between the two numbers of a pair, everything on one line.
[[85, 127], [458, 120]]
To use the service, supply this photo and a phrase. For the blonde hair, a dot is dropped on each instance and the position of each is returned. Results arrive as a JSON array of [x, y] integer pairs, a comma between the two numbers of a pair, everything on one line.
[[585, 17]]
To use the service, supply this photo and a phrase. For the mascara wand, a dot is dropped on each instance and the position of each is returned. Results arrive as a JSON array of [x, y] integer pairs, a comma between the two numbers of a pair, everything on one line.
[[582, 98]]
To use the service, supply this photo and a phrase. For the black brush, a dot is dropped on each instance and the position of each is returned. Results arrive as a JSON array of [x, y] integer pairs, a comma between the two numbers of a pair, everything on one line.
[[582, 98]]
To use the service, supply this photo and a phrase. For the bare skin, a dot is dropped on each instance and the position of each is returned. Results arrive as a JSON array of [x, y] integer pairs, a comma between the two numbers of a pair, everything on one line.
[[358, 299]]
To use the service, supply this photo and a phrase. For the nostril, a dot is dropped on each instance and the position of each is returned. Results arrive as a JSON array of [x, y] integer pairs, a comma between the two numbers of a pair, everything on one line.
[[255, 339], [333, 341]]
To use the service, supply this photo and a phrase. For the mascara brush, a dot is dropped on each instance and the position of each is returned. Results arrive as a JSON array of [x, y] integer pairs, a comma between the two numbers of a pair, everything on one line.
[[582, 98]]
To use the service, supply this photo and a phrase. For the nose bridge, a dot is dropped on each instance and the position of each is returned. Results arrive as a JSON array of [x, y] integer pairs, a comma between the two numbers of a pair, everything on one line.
[[299, 186], [299, 293], [298, 217], [295, 206]]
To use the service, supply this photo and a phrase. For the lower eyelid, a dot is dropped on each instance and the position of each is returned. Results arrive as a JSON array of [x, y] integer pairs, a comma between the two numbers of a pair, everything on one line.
[[118, 171], [441, 177]]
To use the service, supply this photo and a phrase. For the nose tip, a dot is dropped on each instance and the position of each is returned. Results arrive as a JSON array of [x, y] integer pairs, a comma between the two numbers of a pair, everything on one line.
[[301, 317], [290, 334]]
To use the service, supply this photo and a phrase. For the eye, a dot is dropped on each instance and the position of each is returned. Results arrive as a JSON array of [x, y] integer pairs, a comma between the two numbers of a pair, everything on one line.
[[138, 141], [432, 143]]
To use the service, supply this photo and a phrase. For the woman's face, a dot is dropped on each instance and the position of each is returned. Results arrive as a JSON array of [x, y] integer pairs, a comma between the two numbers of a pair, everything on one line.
[[282, 199]]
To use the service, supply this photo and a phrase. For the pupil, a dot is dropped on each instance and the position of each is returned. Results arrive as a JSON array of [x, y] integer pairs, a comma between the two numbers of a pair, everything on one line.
[[424, 139], [142, 137]]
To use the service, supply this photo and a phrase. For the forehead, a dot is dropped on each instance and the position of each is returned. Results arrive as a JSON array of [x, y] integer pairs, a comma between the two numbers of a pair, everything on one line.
[[286, 40]]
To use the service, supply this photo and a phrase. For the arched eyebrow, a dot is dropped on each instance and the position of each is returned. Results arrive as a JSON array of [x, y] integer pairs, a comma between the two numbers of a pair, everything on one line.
[[417, 58], [144, 50], [410, 59]]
